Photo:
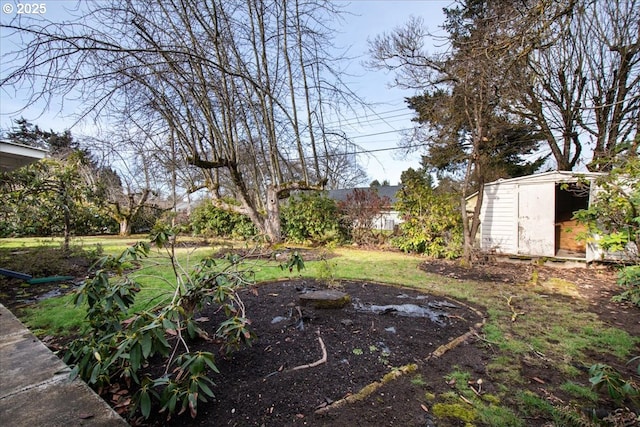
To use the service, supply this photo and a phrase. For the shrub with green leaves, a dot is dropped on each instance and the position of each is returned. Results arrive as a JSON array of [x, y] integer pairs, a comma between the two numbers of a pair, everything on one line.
[[613, 221], [119, 342], [613, 216], [312, 217], [603, 376], [629, 280], [210, 220], [432, 224]]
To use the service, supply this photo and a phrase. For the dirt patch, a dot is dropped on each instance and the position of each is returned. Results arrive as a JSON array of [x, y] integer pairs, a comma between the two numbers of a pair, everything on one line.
[[270, 383], [596, 284], [258, 386]]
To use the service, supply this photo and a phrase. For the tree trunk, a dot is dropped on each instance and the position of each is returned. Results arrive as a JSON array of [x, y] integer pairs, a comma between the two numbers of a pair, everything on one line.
[[125, 226], [467, 244], [272, 226], [67, 230]]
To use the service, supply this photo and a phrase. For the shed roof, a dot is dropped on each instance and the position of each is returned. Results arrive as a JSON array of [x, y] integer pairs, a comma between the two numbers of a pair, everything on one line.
[[552, 176]]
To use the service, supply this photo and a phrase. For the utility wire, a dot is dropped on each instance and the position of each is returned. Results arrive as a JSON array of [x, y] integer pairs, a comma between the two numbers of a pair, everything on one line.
[[380, 133]]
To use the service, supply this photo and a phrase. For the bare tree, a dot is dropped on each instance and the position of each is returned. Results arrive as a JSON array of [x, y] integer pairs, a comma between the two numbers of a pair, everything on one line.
[[579, 80], [549, 86], [239, 84], [611, 39], [124, 180]]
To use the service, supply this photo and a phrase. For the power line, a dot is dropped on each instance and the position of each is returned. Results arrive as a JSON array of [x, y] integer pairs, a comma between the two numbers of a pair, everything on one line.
[[380, 133], [354, 120]]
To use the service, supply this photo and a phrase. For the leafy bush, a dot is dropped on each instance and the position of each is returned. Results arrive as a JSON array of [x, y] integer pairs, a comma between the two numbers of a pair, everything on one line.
[[613, 222], [312, 217], [629, 280], [119, 343], [432, 223], [613, 217], [210, 220], [618, 388]]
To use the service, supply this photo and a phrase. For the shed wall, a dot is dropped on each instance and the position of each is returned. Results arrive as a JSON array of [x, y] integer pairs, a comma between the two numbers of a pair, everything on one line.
[[498, 231]]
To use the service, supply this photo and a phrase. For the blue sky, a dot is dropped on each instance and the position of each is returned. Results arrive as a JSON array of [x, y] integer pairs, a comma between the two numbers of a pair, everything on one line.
[[371, 18], [378, 132]]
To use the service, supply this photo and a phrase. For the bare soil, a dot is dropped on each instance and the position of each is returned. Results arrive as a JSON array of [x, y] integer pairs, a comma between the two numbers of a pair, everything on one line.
[[261, 385], [270, 384]]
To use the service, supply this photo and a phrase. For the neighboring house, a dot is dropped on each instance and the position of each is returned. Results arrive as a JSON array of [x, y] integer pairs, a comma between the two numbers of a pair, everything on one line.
[[532, 216], [389, 217], [14, 156]]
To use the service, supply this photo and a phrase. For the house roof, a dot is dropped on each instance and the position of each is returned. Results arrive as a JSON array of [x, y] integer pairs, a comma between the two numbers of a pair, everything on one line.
[[14, 156], [389, 191]]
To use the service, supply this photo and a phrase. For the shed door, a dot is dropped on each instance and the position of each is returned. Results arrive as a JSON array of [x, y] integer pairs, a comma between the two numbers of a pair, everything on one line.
[[536, 219]]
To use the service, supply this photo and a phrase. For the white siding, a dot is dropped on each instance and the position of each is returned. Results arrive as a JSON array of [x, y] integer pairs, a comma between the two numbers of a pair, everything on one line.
[[497, 229]]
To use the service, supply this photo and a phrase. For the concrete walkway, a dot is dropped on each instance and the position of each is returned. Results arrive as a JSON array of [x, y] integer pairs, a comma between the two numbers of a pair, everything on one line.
[[35, 389]]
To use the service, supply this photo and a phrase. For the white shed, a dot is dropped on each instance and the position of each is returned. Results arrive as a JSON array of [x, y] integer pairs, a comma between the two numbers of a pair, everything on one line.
[[532, 215]]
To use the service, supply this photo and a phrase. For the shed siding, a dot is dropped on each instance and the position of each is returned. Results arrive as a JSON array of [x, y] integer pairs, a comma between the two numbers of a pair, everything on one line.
[[497, 229]]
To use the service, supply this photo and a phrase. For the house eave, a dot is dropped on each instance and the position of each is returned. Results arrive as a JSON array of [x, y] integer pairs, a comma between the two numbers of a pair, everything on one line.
[[14, 156]]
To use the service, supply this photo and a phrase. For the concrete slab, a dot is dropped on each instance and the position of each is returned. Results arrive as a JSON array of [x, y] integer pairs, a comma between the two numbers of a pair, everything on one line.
[[22, 357], [35, 388]]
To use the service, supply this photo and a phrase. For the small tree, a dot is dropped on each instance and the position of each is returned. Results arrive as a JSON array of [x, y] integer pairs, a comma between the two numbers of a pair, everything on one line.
[[53, 194], [362, 208], [613, 220], [119, 341]]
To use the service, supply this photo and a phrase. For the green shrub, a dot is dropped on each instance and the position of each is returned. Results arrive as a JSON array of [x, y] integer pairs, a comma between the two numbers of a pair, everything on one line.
[[603, 376], [114, 348], [312, 217], [210, 220], [613, 216], [629, 280], [432, 224]]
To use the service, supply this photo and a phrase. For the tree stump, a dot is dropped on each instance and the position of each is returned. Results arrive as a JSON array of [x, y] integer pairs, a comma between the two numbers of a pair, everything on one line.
[[325, 299]]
